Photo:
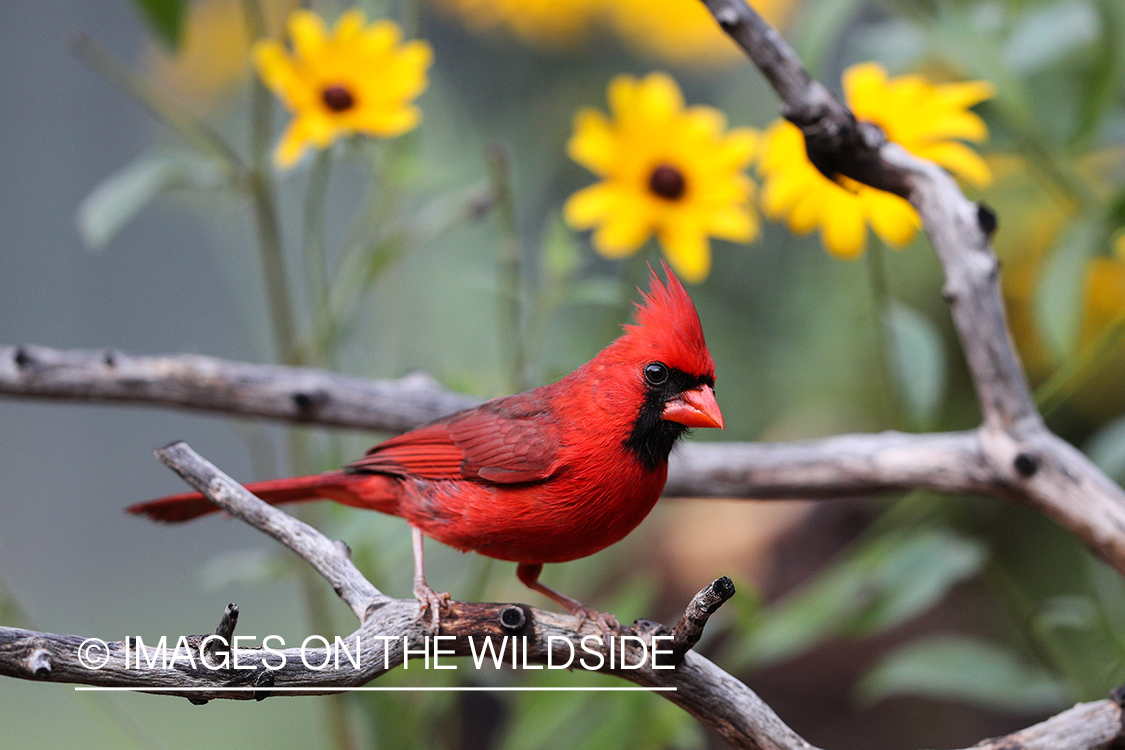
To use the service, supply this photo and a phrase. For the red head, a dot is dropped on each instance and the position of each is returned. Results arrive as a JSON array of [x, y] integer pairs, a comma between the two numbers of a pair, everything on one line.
[[662, 371], [668, 327]]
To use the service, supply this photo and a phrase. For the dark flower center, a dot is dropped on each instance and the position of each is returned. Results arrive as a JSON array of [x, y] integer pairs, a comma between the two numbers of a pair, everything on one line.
[[667, 182], [337, 98]]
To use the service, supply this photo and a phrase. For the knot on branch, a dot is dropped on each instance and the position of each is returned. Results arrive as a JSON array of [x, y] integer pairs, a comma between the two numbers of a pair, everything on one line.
[[512, 619], [39, 664], [839, 144]]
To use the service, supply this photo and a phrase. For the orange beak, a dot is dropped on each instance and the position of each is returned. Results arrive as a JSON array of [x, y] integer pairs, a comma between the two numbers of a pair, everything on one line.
[[695, 408]]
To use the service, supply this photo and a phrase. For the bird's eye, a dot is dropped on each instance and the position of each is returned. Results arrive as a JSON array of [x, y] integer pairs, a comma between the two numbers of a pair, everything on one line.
[[656, 373]]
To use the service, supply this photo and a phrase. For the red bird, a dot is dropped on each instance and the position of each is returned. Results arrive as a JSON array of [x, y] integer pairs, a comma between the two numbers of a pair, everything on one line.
[[546, 476]]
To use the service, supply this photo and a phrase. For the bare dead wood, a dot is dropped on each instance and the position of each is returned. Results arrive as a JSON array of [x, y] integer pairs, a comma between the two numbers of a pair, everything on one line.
[[388, 629], [197, 383], [390, 633]]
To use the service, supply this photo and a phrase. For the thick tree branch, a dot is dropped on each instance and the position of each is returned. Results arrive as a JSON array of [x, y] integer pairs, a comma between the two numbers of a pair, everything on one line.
[[1036, 467], [197, 383]]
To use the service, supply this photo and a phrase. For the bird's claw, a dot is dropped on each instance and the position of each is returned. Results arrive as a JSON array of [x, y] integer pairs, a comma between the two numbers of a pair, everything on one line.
[[606, 621], [433, 602]]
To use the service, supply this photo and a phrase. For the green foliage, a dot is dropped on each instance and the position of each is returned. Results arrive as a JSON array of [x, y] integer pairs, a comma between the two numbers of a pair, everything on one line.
[[1061, 287], [918, 362], [966, 669], [874, 587], [121, 196]]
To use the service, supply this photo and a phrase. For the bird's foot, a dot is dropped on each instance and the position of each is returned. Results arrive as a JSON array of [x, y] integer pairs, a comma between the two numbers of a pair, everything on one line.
[[431, 601], [607, 622]]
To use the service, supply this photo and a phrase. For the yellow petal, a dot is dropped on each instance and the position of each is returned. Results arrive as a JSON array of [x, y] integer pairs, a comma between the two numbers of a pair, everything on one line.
[[276, 70], [892, 218], [806, 213], [349, 26], [388, 123], [865, 86], [590, 205], [621, 93], [593, 144], [622, 234], [703, 123], [292, 146], [307, 32], [960, 160], [740, 147], [734, 223], [688, 251], [658, 98], [961, 124], [842, 228], [781, 193], [964, 94]]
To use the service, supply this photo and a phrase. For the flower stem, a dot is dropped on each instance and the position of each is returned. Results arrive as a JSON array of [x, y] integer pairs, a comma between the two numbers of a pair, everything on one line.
[[884, 335], [316, 265], [508, 255], [191, 128], [285, 340], [1072, 375], [265, 210]]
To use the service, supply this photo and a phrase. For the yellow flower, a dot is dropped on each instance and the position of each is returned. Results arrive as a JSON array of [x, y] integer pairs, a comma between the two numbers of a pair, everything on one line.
[[359, 79], [927, 119], [545, 23], [665, 170], [683, 31]]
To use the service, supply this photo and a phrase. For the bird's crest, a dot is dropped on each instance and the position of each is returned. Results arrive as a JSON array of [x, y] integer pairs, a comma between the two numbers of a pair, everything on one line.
[[668, 324]]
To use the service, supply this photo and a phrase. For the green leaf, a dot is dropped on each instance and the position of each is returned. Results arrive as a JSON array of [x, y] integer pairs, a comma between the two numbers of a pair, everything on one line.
[[966, 669], [1082, 644], [918, 361], [872, 589], [121, 196], [1046, 34], [165, 18], [1058, 297], [1104, 74]]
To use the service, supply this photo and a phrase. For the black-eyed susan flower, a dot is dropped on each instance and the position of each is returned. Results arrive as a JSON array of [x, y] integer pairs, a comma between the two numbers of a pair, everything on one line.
[[683, 32], [666, 170], [929, 120], [544, 23], [360, 78]]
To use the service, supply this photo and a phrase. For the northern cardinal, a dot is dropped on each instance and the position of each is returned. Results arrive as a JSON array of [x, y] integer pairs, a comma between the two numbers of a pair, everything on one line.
[[545, 476]]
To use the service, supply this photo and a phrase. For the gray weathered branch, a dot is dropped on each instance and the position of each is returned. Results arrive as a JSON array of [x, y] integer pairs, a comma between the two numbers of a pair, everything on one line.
[[388, 626], [198, 383], [1037, 467], [390, 631]]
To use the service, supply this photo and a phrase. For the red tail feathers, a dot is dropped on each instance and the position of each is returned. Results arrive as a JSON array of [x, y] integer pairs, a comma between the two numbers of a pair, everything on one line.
[[361, 490]]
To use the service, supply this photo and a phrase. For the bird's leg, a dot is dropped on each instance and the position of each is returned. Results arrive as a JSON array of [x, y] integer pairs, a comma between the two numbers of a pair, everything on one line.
[[528, 573], [429, 598]]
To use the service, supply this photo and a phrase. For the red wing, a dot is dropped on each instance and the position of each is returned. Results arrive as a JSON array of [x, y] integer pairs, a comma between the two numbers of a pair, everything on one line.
[[508, 440]]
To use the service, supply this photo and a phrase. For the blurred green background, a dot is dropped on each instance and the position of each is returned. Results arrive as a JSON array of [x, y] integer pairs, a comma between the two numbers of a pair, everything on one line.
[[866, 623]]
